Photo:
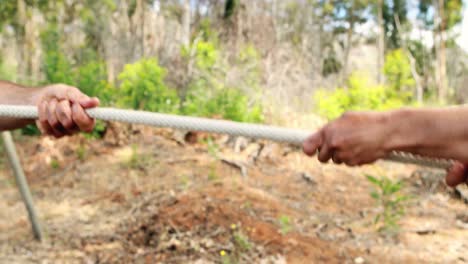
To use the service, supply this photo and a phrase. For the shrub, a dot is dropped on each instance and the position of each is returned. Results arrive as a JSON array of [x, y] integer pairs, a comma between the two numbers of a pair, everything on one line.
[[142, 87], [208, 94], [228, 103], [360, 94], [397, 70]]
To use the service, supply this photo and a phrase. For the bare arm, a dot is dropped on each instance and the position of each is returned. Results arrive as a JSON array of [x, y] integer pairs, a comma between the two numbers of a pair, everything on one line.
[[15, 94], [438, 132], [363, 137], [61, 108]]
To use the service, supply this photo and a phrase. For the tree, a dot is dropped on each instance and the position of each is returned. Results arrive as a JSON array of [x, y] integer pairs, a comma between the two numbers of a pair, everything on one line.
[[441, 16], [349, 14], [380, 41], [390, 10]]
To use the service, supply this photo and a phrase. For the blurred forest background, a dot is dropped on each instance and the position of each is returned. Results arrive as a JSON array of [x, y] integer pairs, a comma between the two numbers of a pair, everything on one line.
[[237, 59]]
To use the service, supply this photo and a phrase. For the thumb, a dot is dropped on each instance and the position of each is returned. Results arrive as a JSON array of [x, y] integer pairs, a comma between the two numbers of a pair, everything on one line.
[[457, 174], [312, 143]]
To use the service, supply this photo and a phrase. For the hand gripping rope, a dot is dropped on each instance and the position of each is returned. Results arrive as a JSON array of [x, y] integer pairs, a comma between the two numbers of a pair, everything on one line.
[[278, 134]]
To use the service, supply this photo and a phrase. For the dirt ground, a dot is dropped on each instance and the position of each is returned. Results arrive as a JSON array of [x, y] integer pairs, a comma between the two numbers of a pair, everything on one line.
[[153, 196]]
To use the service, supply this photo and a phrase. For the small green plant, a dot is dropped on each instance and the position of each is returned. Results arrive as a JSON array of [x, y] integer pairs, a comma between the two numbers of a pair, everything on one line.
[[391, 202], [212, 176], [136, 159], [54, 164], [213, 148], [241, 243], [185, 181], [225, 257], [285, 224], [81, 152]]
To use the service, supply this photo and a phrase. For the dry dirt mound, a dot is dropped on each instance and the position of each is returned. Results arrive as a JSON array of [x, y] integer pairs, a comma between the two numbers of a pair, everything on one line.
[[204, 224]]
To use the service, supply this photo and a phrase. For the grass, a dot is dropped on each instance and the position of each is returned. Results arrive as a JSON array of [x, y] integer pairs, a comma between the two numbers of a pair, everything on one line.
[[54, 164], [285, 224], [81, 152], [241, 246]]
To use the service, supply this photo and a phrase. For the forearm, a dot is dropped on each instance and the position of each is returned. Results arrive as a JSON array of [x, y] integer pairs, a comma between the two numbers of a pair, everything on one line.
[[14, 94], [436, 132]]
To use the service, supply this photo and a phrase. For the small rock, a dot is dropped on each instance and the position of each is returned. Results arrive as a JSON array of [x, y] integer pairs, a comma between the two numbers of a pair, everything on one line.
[[462, 190], [308, 178], [341, 188], [359, 260]]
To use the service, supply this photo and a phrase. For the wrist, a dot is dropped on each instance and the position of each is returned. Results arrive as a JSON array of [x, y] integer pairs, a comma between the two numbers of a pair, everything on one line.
[[36, 95], [403, 129]]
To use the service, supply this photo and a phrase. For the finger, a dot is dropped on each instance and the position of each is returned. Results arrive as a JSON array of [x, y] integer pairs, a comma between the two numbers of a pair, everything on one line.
[[81, 119], [90, 102], [312, 143], [325, 153], [42, 122], [57, 129], [336, 159], [64, 116], [73, 94], [456, 174], [342, 156]]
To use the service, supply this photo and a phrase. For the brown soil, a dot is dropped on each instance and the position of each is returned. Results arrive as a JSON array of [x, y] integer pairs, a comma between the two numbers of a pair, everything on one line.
[[148, 197]]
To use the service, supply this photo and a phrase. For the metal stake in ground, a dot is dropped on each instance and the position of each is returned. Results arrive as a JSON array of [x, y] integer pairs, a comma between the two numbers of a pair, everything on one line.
[[22, 184]]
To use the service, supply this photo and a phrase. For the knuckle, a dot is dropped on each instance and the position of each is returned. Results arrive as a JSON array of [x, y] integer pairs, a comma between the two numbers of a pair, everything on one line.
[[54, 123], [67, 124], [336, 142]]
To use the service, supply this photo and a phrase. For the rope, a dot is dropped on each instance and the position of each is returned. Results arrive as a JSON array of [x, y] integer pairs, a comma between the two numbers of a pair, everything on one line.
[[278, 134]]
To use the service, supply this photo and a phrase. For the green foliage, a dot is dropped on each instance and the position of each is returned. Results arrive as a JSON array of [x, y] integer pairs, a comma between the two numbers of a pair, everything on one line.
[[230, 7], [331, 65], [285, 224], [397, 70], [57, 67], [391, 202], [206, 54], [422, 56], [6, 72], [143, 87], [54, 164], [453, 13], [228, 103], [390, 9], [359, 95], [81, 152], [137, 160], [207, 94]]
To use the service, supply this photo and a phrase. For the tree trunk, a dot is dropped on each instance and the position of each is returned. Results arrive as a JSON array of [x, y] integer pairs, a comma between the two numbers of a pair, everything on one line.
[[381, 43], [20, 41], [344, 71], [443, 89], [412, 60], [186, 23]]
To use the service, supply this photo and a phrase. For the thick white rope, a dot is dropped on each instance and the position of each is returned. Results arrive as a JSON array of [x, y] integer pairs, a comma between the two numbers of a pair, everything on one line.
[[292, 136]]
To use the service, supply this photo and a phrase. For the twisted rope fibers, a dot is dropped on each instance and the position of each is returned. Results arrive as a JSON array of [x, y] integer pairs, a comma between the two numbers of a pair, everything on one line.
[[278, 134]]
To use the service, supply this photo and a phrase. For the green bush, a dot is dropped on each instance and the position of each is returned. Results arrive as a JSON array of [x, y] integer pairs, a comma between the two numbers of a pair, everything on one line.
[[360, 94], [397, 71], [143, 87], [228, 103], [208, 95]]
